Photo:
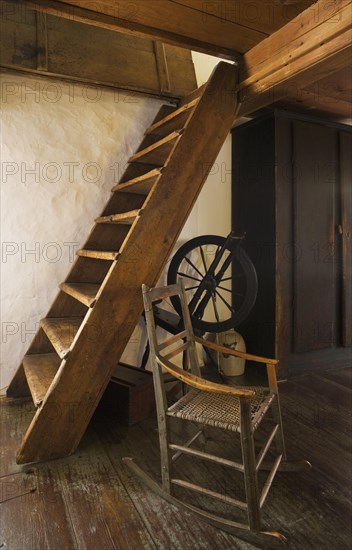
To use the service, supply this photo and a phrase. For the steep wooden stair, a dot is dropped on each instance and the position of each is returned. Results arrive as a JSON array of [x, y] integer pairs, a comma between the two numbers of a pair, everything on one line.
[[71, 358]]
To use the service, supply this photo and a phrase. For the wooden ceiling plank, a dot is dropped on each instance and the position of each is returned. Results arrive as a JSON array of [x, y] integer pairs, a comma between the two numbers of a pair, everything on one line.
[[335, 87], [318, 107], [172, 16], [323, 46], [264, 16]]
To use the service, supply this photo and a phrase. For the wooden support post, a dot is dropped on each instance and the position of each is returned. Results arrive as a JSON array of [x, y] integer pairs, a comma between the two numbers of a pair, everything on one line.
[[163, 71], [42, 42]]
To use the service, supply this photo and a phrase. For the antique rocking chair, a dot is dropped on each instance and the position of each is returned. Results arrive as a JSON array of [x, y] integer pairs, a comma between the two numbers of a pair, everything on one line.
[[237, 410]]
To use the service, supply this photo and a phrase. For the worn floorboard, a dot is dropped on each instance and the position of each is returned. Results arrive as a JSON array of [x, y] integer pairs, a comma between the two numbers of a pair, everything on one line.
[[91, 500]]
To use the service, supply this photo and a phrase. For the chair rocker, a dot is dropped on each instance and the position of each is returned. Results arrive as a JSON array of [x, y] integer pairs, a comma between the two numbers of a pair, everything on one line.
[[237, 410]]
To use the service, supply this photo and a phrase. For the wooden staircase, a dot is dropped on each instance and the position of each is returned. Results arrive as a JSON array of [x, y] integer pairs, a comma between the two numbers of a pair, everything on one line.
[[71, 358]]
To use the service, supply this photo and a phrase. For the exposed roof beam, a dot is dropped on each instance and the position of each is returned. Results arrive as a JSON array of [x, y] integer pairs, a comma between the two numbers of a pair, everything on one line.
[[317, 42], [161, 20]]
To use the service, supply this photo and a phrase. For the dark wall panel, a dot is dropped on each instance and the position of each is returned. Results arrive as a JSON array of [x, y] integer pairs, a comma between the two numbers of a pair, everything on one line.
[[315, 174], [253, 213], [345, 230]]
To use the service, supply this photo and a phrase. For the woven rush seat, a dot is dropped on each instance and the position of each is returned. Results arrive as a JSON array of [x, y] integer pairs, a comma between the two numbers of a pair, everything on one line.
[[220, 411]]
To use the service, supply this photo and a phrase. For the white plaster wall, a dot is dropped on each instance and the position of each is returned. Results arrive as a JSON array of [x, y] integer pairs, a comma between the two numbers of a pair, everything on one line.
[[62, 147], [212, 211]]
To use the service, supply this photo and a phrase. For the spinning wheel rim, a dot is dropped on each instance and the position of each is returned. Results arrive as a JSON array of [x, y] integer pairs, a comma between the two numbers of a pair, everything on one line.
[[208, 282]]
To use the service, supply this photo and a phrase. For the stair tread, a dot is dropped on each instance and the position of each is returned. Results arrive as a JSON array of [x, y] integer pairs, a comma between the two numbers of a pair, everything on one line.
[[151, 154], [173, 121], [84, 292], [61, 332], [40, 371], [141, 184], [98, 254], [124, 217]]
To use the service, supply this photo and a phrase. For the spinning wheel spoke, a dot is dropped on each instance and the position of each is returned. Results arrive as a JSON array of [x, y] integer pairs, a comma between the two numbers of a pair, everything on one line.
[[188, 276], [223, 288], [194, 267], [203, 259], [191, 288], [215, 308], [225, 302]]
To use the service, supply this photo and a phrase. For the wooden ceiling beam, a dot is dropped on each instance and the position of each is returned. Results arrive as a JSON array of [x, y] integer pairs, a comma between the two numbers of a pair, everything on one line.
[[161, 20], [308, 48]]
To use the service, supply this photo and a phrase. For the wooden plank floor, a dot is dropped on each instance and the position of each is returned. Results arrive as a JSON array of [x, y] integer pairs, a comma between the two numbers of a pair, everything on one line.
[[91, 500]]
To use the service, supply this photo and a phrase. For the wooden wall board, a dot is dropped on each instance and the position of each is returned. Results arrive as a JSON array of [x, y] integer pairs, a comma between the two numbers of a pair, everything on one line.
[[45, 44], [314, 187], [301, 237], [77, 49], [18, 41], [285, 250], [254, 191], [345, 231]]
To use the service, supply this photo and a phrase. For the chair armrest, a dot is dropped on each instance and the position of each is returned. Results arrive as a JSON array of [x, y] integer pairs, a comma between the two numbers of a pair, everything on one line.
[[200, 384], [229, 351]]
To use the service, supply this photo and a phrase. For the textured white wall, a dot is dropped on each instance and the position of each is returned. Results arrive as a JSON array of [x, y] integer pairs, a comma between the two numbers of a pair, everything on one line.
[[62, 147], [212, 211]]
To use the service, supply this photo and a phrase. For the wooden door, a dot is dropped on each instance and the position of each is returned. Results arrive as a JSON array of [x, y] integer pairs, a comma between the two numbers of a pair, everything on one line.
[[315, 175], [345, 231]]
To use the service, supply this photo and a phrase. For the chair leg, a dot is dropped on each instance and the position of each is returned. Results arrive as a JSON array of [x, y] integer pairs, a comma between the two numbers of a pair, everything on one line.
[[250, 472], [285, 465], [165, 456], [279, 438]]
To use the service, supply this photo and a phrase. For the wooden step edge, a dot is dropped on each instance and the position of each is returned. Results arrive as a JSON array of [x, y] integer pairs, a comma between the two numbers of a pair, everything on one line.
[[171, 116], [155, 146], [83, 292], [40, 371], [145, 179], [61, 332], [124, 217], [105, 255]]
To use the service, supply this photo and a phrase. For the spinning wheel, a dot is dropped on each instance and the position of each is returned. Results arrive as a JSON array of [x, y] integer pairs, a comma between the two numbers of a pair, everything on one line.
[[220, 281]]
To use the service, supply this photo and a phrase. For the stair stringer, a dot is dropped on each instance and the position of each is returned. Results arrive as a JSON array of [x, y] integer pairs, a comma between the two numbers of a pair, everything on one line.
[[59, 424]]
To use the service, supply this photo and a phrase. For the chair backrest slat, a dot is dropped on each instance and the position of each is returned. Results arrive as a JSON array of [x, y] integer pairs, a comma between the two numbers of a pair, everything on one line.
[[157, 344], [177, 350], [172, 340]]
